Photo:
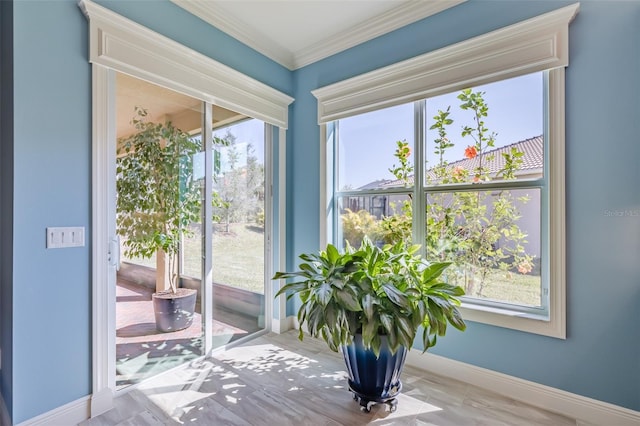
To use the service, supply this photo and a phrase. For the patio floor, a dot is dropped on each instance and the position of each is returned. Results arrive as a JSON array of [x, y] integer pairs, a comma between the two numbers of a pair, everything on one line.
[[142, 351]]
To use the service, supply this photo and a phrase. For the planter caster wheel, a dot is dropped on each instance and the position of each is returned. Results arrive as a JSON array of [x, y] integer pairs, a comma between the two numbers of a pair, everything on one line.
[[393, 405], [365, 406]]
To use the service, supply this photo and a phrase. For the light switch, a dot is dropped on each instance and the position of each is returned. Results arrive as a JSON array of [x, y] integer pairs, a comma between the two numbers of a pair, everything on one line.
[[65, 237]]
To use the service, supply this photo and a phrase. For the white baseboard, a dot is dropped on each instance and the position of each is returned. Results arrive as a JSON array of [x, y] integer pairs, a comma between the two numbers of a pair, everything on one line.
[[69, 414], [5, 419], [568, 404], [101, 402], [282, 326]]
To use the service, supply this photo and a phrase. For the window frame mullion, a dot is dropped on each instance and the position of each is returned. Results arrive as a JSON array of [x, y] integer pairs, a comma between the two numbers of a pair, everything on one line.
[[419, 158]]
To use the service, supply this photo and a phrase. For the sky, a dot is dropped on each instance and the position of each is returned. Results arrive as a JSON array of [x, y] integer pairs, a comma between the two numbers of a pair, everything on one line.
[[246, 132], [368, 141]]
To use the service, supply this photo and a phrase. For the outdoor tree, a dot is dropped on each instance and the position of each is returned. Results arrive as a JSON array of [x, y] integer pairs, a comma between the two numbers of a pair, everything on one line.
[[158, 197], [240, 184], [476, 230], [255, 187]]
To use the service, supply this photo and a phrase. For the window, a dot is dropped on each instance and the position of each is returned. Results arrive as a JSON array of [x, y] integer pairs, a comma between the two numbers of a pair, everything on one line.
[[466, 161]]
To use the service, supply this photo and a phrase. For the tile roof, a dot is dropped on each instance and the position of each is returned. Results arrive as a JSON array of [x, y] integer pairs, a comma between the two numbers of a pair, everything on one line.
[[532, 161]]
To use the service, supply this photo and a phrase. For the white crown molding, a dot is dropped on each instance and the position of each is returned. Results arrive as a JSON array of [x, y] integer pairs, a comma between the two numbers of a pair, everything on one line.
[[589, 410], [381, 24], [69, 414], [405, 14], [125, 46], [536, 44], [229, 24]]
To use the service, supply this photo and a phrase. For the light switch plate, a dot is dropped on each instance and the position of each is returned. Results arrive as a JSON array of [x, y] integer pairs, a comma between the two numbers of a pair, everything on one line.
[[65, 237]]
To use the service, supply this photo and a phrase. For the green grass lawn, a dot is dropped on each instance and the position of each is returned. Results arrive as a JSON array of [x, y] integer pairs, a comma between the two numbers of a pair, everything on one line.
[[238, 260], [511, 287], [238, 256]]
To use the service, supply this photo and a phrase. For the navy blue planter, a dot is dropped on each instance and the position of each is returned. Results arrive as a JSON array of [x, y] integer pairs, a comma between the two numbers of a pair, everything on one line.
[[374, 380]]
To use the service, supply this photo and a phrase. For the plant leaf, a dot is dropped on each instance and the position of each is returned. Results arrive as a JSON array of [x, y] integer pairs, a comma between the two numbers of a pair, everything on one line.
[[324, 293], [332, 253], [395, 295], [434, 270], [367, 306], [348, 299]]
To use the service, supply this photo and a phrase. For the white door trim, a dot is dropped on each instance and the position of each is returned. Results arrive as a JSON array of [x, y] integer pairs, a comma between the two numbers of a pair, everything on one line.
[[104, 258], [119, 44]]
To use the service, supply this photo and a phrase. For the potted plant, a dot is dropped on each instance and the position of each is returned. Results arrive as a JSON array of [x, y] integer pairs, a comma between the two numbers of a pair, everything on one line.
[[370, 303], [158, 200]]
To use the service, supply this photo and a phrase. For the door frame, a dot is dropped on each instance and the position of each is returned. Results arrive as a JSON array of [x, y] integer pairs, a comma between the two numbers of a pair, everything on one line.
[[117, 44]]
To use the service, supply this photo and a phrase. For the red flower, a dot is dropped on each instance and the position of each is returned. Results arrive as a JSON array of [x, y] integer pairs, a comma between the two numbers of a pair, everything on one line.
[[524, 267], [470, 152]]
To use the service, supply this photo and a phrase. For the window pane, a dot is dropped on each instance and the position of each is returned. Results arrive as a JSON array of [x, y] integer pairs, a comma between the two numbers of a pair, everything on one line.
[[383, 218], [367, 144], [486, 133], [493, 240], [158, 199], [238, 229], [238, 252]]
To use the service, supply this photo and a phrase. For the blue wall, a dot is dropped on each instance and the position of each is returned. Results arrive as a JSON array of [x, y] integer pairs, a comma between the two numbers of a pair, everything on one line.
[[47, 348], [46, 297], [601, 356], [52, 177]]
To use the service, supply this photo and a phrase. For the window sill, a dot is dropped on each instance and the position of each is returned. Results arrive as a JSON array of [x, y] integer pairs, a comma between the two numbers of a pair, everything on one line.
[[527, 322]]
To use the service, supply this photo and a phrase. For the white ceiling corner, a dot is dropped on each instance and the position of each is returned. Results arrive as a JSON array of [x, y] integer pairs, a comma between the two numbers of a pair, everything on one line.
[[296, 33]]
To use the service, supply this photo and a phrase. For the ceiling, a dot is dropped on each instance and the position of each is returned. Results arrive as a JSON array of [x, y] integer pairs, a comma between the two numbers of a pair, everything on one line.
[[162, 105], [296, 33]]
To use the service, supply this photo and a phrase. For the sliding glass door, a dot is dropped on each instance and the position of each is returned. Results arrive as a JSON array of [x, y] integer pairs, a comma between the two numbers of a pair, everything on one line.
[[190, 180]]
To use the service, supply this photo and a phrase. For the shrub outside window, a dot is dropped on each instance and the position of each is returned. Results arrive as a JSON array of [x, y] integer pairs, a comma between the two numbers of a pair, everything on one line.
[[491, 236]]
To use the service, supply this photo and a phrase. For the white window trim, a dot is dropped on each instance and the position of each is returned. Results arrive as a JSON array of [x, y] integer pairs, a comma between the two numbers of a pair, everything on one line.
[[119, 44], [537, 44]]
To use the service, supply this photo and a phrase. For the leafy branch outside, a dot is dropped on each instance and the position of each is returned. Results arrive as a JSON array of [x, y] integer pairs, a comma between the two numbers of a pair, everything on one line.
[[477, 230]]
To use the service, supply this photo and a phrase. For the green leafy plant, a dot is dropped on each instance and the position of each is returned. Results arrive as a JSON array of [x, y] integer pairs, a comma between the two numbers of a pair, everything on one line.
[[158, 196], [375, 291]]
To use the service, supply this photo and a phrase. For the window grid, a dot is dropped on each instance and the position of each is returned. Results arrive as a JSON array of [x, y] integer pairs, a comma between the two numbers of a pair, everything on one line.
[[421, 190]]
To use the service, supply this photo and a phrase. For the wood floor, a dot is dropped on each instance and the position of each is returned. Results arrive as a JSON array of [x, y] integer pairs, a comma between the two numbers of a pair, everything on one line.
[[277, 380]]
